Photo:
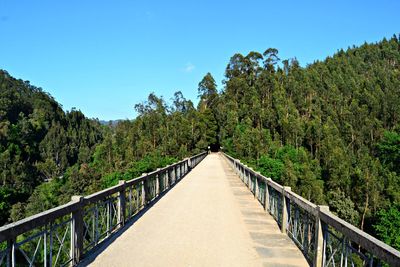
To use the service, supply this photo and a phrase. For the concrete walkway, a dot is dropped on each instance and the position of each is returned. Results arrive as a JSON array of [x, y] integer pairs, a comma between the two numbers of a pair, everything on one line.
[[208, 219]]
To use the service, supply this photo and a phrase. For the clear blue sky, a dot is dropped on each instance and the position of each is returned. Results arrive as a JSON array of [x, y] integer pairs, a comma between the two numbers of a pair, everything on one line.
[[103, 57]]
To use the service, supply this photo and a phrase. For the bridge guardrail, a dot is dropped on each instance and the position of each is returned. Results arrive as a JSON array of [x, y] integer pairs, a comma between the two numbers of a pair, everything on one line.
[[324, 238], [65, 234]]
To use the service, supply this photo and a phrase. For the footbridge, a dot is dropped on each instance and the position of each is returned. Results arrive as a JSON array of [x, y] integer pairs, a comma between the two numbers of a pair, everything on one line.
[[207, 210]]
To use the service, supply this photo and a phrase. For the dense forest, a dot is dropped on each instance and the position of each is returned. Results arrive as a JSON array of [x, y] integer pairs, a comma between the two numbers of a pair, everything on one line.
[[330, 130], [47, 155]]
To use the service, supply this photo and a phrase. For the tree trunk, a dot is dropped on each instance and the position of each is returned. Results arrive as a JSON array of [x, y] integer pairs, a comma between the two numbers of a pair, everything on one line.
[[364, 212]]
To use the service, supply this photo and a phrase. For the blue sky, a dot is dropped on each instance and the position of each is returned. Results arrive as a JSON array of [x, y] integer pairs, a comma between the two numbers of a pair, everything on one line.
[[103, 57]]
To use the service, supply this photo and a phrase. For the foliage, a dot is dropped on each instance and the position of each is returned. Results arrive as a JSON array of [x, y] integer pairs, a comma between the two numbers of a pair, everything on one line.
[[343, 206], [388, 225], [270, 167], [389, 150], [137, 168]]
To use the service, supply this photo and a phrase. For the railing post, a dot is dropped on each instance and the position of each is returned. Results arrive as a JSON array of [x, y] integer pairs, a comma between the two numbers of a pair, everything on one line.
[[158, 182], [77, 231], [285, 214], [246, 177], [237, 166], [121, 203], [10, 257], [169, 176], [267, 194], [251, 182], [249, 178], [256, 193], [13, 251], [167, 182], [183, 169], [161, 181], [109, 216], [306, 232], [176, 174], [256, 189], [239, 170], [319, 238], [173, 176], [144, 191], [164, 178]]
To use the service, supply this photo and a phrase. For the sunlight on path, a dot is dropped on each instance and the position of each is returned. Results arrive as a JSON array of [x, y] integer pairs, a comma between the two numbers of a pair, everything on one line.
[[208, 219]]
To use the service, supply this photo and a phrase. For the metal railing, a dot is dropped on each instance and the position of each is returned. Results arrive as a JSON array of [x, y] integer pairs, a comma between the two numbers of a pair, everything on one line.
[[66, 234], [325, 239]]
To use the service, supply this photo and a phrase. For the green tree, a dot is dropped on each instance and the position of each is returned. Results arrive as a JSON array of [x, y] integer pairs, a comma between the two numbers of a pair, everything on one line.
[[387, 226], [389, 150]]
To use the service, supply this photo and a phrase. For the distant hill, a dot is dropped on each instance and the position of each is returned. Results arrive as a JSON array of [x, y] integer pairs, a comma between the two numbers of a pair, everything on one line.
[[38, 140], [110, 122]]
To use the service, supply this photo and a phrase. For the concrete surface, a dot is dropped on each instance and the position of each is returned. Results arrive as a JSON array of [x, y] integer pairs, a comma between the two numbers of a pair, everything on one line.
[[208, 219]]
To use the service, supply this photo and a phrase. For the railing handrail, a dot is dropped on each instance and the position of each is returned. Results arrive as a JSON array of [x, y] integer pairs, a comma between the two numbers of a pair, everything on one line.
[[12, 230], [378, 248]]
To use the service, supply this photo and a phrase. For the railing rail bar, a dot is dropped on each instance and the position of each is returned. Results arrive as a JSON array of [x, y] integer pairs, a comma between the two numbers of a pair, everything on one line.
[[302, 202]]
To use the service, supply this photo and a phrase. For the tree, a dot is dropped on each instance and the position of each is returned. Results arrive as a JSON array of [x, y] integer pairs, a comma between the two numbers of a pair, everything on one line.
[[207, 91], [343, 206], [271, 59], [387, 226], [389, 150]]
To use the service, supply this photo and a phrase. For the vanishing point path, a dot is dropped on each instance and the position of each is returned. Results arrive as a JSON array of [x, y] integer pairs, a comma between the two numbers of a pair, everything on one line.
[[208, 219]]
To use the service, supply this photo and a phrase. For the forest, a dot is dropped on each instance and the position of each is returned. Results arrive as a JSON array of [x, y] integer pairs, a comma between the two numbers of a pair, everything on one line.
[[330, 130]]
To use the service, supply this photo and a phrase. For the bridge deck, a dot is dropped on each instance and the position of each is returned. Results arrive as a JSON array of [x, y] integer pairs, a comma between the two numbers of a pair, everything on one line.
[[208, 219]]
